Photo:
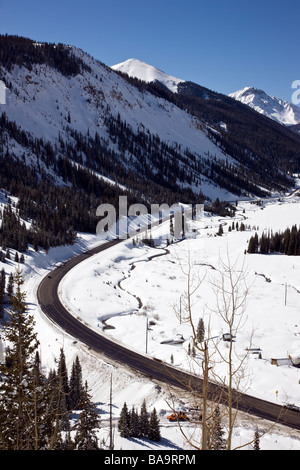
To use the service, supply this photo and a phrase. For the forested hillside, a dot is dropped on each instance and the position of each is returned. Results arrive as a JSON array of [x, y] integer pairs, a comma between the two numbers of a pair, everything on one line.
[[75, 134]]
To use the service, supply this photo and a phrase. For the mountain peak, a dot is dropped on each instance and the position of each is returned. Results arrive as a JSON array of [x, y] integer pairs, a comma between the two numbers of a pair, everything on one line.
[[148, 73], [251, 89], [270, 106]]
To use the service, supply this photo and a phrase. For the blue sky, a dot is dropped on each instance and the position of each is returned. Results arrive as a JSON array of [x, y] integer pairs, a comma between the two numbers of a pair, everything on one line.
[[223, 45]]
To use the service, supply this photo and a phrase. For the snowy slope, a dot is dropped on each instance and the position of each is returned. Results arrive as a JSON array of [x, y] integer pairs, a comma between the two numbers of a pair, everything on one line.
[[268, 325], [98, 278], [274, 108], [44, 102], [147, 73], [48, 105]]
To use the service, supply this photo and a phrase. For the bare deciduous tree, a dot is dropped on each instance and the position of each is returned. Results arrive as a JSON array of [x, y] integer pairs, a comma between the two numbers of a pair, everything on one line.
[[230, 292]]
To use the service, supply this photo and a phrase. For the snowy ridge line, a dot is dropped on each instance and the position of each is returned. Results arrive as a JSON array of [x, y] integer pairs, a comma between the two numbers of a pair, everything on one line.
[[148, 73], [274, 108]]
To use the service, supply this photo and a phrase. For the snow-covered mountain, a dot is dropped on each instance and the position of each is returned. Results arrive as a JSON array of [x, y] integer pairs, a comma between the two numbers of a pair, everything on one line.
[[48, 104], [274, 108], [148, 73], [62, 109], [70, 121]]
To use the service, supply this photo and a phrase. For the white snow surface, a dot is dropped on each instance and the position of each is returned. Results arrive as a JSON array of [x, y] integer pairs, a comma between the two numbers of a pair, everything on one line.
[[42, 101], [277, 109], [105, 288], [148, 73]]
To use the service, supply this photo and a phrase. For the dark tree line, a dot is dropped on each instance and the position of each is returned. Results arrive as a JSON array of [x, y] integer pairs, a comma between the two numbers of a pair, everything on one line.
[[286, 242], [58, 211], [16, 50]]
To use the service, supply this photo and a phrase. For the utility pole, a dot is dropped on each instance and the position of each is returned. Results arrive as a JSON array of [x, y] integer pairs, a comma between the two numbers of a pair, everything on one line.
[[146, 334], [285, 294]]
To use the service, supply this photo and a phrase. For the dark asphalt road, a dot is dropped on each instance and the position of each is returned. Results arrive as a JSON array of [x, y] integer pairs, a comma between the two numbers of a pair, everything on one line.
[[52, 307]]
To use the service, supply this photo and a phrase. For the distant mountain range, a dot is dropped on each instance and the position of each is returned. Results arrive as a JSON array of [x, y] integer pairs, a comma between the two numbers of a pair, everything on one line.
[[274, 108], [279, 110], [75, 133]]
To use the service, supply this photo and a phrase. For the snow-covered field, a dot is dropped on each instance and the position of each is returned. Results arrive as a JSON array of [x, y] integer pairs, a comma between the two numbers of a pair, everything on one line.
[[123, 287]]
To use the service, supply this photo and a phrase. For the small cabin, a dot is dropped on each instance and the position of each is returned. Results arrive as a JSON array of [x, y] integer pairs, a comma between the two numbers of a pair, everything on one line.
[[284, 361], [228, 337]]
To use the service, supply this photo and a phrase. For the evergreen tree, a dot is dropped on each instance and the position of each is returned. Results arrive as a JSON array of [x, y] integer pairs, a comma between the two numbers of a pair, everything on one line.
[[256, 440], [17, 384], [144, 420], [134, 423], [40, 423], [10, 287], [59, 415], [217, 441], [200, 331], [253, 244], [75, 385], [220, 231], [154, 431], [63, 376], [87, 424], [63, 394], [51, 411], [124, 422]]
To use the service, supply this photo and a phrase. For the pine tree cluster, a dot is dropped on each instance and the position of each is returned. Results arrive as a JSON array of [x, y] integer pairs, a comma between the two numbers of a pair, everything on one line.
[[35, 409], [13, 233], [133, 424], [7, 288], [57, 212], [16, 50], [286, 242]]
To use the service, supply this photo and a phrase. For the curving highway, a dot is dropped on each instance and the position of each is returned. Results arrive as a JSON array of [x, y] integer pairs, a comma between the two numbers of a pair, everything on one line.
[[52, 307]]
